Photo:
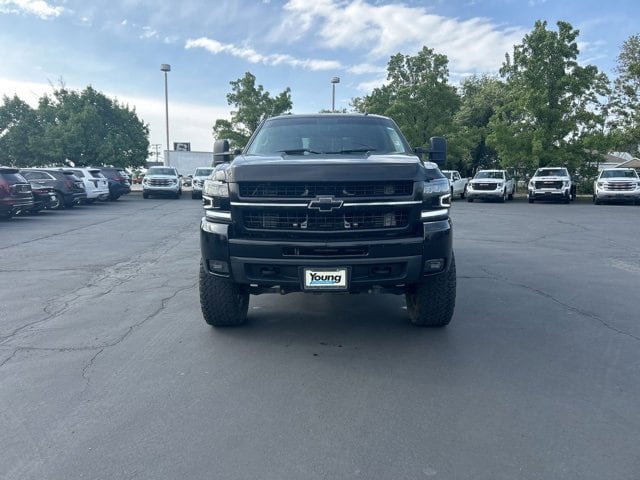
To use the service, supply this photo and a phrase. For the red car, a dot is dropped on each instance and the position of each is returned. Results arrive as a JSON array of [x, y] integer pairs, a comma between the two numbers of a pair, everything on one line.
[[15, 192]]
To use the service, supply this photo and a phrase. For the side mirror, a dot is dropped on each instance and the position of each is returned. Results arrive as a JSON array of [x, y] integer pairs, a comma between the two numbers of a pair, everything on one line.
[[221, 152], [237, 151], [438, 150]]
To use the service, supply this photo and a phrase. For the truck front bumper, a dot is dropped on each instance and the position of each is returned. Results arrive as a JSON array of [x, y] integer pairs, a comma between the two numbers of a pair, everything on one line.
[[618, 195], [485, 194], [549, 193], [279, 264]]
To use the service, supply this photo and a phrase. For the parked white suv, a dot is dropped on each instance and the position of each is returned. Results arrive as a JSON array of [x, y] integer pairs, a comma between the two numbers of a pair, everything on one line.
[[95, 183], [197, 183], [617, 184], [491, 185], [162, 181], [551, 183]]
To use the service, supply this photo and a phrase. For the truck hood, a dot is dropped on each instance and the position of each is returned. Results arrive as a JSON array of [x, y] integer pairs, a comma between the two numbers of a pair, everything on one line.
[[327, 168], [550, 179], [487, 180]]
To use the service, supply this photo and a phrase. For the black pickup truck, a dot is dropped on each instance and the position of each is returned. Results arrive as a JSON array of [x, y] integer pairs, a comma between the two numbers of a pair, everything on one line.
[[327, 203]]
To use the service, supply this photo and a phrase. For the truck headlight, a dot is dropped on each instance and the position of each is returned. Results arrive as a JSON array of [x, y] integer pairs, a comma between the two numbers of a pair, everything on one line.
[[565, 183], [436, 187], [499, 185], [216, 188]]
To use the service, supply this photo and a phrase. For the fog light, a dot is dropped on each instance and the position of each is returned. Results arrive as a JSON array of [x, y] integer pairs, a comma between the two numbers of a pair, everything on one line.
[[433, 265], [219, 267]]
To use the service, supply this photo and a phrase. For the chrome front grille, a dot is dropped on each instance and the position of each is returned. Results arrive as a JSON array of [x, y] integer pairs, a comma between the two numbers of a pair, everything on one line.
[[555, 184], [485, 186], [337, 189], [308, 220], [159, 182], [620, 186]]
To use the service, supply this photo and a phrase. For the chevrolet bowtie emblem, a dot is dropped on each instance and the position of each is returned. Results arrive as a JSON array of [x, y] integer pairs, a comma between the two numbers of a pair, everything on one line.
[[325, 204]]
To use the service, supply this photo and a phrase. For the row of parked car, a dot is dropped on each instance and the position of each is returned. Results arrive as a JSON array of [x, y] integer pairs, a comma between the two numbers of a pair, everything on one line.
[[549, 183], [30, 190]]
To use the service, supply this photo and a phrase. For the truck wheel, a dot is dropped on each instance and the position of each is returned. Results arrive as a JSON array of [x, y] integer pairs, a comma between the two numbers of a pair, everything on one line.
[[223, 303], [530, 199], [567, 199], [145, 195], [464, 192], [431, 303], [469, 199], [511, 195], [504, 196]]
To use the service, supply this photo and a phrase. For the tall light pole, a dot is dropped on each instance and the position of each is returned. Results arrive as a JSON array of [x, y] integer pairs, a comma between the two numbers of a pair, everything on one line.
[[165, 67], [334, 80]]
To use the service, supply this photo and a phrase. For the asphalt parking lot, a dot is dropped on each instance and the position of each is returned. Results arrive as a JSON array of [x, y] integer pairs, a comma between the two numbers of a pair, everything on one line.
[[107, 370]]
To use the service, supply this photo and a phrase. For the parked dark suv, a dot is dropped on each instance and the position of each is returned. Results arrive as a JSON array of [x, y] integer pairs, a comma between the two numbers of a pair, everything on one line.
[[69, 188], [119, 183], [15, 192]]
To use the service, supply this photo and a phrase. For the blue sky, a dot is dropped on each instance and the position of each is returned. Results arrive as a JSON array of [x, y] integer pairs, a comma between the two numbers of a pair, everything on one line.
[[117, 46]]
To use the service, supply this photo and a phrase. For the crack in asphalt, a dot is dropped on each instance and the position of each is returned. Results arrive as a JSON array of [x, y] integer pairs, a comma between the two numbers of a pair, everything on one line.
[[577, 310], [163, 304], [119, 273], [72, 230]]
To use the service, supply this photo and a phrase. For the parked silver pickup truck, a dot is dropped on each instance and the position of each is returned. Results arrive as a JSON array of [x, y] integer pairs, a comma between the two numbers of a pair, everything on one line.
[[458, 184], [617, 184], [551, 183], [491, 185]]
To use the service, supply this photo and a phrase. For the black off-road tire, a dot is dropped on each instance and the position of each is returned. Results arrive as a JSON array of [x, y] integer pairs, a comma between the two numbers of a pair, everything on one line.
[[530, 199], [223, 302], [504, 196], [469, 199], [431, 303]]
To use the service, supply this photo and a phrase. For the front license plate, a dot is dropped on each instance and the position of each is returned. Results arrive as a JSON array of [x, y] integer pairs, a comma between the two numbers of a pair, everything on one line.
[[325, 279]]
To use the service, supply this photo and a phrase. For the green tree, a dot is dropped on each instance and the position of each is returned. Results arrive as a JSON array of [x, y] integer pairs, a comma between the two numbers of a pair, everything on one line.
[[252, 103], [625, 100], [89, 128], [480, 96], [553, 108], [417, 96], [19, 133]]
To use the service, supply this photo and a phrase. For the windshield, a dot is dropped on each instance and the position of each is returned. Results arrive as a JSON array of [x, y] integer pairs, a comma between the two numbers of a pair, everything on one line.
[[552, 172], [618, 174], [203, 172], [161, 171], [328, 134], [487, 174]]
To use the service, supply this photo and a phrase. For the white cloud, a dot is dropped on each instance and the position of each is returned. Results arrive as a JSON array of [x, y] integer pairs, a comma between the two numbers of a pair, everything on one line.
[[383, 30], [39, 8], [366, 68], [148, 32], [252, 56]]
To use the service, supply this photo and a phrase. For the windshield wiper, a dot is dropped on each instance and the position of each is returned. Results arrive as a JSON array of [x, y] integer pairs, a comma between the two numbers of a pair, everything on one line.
[[298, 151], [355, 150]]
